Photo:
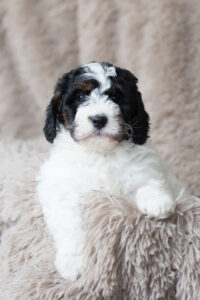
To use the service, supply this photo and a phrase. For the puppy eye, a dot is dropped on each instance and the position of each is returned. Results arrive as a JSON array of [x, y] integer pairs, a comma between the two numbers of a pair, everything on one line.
[[114, 98], [117, 99], [80, 97], [116, 95]]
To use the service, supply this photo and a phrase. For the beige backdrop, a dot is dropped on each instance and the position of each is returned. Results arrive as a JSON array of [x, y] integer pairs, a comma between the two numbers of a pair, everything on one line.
[[158, 40]]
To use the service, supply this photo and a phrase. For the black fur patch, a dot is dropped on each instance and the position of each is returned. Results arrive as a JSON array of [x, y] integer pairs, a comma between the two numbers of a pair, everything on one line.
[[125, 93], [71, 90]]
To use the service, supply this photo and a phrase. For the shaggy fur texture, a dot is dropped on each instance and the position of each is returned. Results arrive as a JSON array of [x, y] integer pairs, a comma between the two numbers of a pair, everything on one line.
[[98, 125], [159, 42], [134, 172], [138, 258]]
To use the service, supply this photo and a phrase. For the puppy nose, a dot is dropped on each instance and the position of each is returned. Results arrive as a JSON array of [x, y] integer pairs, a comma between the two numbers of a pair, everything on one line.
[[99, 121]]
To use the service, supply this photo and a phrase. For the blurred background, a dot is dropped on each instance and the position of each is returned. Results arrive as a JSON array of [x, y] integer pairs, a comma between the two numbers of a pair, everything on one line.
[[159, 41]]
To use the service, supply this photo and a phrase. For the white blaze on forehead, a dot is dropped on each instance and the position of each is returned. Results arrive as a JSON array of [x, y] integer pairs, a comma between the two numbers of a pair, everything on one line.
[[101, 73], [100, 104]]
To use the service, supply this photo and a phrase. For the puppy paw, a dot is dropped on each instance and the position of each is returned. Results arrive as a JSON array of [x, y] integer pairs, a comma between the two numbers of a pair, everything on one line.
[[155, 204], [69, 266]]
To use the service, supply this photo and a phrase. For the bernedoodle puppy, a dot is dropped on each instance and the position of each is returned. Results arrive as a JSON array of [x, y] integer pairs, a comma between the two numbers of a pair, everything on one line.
[[99, 129]]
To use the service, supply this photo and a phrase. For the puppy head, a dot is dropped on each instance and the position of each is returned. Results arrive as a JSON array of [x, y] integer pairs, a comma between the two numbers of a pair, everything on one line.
[[100, 105]]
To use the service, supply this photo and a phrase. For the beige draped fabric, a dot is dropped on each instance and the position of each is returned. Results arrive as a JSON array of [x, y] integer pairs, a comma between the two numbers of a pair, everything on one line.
[[159, 41]]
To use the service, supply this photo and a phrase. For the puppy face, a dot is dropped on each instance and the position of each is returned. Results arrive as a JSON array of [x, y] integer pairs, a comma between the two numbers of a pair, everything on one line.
[[100, 105]]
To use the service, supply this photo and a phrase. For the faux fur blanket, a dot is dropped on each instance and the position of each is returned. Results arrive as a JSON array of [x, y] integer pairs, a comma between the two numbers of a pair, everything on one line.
[[128, 256], [137, 258]]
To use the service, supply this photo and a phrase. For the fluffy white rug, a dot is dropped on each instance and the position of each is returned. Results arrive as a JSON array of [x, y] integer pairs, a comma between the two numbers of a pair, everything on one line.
[[159, 42], [128, 256]]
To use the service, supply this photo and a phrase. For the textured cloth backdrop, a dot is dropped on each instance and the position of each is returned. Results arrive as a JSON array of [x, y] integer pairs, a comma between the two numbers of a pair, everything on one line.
[[158, 41]]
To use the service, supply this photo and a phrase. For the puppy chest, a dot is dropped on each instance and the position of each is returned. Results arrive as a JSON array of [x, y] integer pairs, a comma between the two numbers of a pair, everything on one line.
[[101, 176]]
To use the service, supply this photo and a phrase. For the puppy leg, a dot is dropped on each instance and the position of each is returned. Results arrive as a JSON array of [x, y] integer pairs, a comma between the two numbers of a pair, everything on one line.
[[155, 200], [69, 256], [68, 266]]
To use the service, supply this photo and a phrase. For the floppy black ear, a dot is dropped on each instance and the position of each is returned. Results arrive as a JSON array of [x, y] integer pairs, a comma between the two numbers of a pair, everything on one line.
[[140, 122], [53, 113], [50, 128]]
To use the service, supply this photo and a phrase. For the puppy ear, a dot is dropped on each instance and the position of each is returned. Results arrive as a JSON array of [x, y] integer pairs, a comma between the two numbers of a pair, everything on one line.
[[54, 112], [50, 128], [140, 123]]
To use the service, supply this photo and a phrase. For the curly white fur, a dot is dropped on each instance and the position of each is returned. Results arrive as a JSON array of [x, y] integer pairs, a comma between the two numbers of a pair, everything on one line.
[[132, 171]]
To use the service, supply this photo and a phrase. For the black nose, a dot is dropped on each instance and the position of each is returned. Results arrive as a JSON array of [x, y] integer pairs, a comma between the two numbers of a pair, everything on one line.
[[99, 121]]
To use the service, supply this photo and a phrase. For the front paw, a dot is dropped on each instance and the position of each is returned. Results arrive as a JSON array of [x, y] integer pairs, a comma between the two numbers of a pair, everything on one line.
[[69, 266], [155, 205]]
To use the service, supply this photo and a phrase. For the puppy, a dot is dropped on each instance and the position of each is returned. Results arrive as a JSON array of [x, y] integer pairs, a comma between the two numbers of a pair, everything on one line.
[[99, 128]]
